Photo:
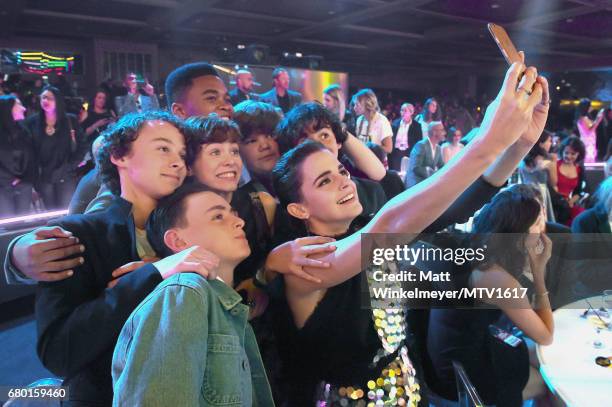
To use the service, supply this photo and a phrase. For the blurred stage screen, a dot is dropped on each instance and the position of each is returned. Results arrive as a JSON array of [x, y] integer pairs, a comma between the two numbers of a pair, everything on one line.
[[308, 82]]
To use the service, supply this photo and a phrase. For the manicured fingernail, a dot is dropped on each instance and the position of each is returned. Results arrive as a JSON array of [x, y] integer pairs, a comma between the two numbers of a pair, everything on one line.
[[82, 248], [70, 273], [81, 260]]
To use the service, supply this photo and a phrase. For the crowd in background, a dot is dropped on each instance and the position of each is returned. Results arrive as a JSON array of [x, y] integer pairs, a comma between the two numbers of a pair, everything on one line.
[[168, 197], [50, 167]]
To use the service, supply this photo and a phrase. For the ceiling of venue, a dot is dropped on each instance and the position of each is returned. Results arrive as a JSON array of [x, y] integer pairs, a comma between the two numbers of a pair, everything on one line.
[[351, 35]]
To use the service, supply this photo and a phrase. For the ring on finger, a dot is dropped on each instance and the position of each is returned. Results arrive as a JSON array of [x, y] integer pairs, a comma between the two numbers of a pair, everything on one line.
[[523, 89]]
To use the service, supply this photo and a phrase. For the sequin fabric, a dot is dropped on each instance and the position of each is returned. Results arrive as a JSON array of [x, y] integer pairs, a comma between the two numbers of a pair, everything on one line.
[[396, 384]]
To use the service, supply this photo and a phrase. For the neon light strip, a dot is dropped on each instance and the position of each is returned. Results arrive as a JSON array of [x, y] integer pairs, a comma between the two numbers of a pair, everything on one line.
[[594, 165], [35, 216]]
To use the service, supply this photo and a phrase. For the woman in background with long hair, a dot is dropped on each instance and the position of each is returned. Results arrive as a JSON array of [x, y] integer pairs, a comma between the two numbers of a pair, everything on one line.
[[587, 129], [334, 100], [570, 177], [99, 115], [539, 169], [371, 124], [431, 112], [16, 159], [59, 149], [511, 227]]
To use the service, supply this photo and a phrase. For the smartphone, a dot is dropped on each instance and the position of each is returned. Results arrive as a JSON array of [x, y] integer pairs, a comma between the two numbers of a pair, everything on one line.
[[505, 336], [504, 43]]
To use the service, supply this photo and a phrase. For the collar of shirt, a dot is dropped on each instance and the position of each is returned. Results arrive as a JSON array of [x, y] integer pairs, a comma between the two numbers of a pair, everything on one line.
[[433, 147]]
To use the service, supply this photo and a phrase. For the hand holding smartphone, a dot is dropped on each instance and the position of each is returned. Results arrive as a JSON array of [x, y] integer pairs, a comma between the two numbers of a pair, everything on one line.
[[508, 50]]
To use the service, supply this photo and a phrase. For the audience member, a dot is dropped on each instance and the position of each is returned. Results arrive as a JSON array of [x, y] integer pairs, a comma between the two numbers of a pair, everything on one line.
[[137, 99], [452, 145], [588, 129], [17, 159], [59, 146], [335, 101], [280, 95], [431, 112], [511, 227], [570, 179], [98, 116], [371, 124], [244, 87], [405, 136], [539, 169], [426, 156]]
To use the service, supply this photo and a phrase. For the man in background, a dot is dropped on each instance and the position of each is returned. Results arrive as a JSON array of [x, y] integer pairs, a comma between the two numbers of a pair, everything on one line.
[[280, 95], [135, 100], [405, 136], [426, 156], [244, 87]]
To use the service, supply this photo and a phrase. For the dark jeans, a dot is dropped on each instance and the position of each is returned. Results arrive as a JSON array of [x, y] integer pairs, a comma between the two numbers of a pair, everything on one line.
[[395, 158], [15, 200], [57, 195]]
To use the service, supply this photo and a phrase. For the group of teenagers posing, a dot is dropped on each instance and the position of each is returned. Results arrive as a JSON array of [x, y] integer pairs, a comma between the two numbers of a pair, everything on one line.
[[148, 301]]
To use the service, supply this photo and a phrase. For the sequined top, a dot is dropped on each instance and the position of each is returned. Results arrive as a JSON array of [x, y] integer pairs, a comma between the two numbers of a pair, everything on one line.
[[346, 354]]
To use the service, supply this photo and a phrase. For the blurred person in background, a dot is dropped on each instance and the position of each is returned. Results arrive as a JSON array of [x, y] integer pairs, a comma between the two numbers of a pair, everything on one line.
[[406, 133], [280, 95], [570, 180], [587, 129], [137, 99], [244, 87], [98, 116], [426, 156], [452, 145], [538, 168], [335, 101], [59, 147], [17, 159], [431, 112], [371, 124]]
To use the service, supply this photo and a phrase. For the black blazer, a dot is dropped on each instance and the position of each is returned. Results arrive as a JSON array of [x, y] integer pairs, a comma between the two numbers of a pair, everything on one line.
[[17, 157], [295, 98], [68, 154], [79, 319], [237, 96], [415, 133]]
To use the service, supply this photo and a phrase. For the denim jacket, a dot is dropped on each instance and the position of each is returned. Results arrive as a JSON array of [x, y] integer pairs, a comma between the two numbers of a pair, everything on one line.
[[189, 344]]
